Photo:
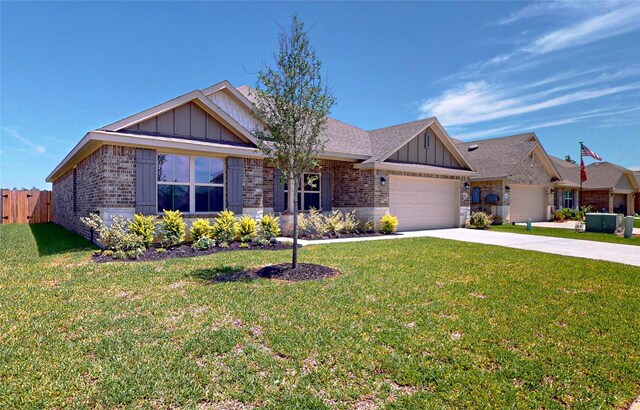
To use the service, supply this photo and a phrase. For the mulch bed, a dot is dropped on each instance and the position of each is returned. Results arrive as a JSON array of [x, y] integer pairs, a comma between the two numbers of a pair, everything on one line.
[[186, 251], [283, 271]]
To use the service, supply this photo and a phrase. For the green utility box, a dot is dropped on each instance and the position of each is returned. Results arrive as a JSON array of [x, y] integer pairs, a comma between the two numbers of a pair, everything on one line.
[[607, 223]]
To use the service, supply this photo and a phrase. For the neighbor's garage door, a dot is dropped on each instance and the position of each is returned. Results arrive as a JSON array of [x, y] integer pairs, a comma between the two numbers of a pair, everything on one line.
[[423, 203], [527, 202]]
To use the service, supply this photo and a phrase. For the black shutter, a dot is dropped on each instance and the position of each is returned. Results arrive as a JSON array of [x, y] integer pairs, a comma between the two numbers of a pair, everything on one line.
[[145, 181], [325, 186], [234, 184], [278, 192]]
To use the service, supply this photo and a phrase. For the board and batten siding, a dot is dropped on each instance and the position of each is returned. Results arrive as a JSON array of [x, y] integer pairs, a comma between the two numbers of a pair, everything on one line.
[[235, 172], [415, 152], [190, 121], [146, 180]]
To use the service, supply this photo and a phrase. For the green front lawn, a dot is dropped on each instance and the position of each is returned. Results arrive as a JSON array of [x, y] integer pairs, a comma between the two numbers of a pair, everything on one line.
[[636, 222], [567, 233], [411, 323]]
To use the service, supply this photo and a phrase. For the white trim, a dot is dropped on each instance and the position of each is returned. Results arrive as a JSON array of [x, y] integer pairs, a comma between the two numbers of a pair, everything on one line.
[[421, 169]]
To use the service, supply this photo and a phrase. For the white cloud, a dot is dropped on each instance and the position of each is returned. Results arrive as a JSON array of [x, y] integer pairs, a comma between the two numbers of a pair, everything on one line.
[[613, 23], [501, 131], [476, 102], [33, 147]]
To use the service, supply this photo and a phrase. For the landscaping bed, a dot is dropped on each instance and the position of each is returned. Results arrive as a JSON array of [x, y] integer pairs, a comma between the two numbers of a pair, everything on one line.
[[188, 251]]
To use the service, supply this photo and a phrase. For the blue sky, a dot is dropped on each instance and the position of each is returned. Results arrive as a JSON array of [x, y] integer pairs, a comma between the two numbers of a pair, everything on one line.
[[569, 71]]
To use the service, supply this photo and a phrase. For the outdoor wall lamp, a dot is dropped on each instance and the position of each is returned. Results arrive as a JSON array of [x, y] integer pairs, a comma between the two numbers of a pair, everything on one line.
[[553, 191], [507, 188], [612, 195], [383, 181], [466, 185]]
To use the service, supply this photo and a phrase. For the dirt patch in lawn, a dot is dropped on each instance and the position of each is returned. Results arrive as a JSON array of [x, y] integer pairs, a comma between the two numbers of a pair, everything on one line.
[[283, 272]]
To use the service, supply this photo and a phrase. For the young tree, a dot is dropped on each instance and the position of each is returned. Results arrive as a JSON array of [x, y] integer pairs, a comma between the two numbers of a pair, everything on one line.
[[568, 159], [292, 102]]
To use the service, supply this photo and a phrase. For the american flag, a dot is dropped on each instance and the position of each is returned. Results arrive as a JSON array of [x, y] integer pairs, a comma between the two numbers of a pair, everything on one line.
[[586, 152]]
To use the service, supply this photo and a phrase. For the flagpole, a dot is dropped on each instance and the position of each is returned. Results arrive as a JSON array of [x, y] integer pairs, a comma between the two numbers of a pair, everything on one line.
[[580, 194]]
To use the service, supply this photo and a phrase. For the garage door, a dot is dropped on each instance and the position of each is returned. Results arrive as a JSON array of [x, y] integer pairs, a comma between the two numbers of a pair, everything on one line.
[[423, 203], [527, 202]]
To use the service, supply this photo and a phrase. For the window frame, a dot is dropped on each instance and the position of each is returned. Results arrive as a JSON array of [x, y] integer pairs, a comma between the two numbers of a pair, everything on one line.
[[192, 184], [566, 198], [302, 191]]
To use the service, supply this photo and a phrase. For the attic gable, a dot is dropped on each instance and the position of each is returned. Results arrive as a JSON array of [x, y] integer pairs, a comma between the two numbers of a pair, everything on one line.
[[426, 148], [188, 120]]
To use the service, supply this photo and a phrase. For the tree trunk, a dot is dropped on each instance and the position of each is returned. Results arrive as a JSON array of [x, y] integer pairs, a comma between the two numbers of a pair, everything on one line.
[[293, 191]]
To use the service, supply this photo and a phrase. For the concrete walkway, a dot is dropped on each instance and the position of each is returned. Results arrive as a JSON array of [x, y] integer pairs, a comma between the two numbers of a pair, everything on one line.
[[563, 225], [611, 252]]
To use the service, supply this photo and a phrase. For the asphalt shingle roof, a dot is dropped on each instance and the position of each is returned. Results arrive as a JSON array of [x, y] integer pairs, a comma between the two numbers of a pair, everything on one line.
[[603, 175], [340, 136], [385, 139], [569, 172], [497, 157]]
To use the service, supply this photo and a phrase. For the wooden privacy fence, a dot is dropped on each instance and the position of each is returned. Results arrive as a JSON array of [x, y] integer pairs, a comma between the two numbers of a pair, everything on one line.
[[26, 207]]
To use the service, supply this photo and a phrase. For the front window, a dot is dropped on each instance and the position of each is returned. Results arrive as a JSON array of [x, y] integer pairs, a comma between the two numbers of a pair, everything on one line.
[[190, 184], [308, 192], [568, 199]]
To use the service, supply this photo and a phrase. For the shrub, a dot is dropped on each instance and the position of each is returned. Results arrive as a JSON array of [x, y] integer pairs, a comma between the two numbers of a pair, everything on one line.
[[350, 223], [304, 224], [134, 253], [388, 224], [109, 236], [480, 220], [144, 226], [203, 243], [269, 227], [247, 228], [318, 222], [108, 252], [200, 228], [365, 226], [119, 255], [173, 228], [558, 215], [225, 228], [161, 250], [244, 245], [131, 242], [334, 222]]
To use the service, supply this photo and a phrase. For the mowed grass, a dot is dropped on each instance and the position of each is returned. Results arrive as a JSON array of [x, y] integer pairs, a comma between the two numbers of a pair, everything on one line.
[[411, 323], [567, 233], [636, 222]]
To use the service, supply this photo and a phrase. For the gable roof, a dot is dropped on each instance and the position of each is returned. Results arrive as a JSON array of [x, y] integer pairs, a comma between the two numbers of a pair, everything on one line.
[[605, 175], [497, 157], [343, 140], [569, 172]]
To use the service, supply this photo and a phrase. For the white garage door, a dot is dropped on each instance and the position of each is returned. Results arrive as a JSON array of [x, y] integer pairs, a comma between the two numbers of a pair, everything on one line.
[[423, 203], [527, 202]]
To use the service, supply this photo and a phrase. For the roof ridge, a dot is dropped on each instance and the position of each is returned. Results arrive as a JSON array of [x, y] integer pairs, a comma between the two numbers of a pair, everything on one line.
[[404, 123], [499, 138]]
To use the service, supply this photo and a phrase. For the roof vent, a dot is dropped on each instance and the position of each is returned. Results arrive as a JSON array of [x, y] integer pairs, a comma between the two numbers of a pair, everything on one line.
[[472, 147]]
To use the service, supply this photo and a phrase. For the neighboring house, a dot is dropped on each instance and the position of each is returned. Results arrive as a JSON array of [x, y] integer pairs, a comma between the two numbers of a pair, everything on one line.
[[514, 179], [196, 153], [567, 189], [609, 188]]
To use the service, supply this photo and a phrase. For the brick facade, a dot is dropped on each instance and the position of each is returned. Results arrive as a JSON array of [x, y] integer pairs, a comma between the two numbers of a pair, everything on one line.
[[599, 200], [253, 182], [106, 178]]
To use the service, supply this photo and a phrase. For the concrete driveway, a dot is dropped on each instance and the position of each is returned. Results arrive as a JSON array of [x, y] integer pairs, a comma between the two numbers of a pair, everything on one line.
[[611, 252]]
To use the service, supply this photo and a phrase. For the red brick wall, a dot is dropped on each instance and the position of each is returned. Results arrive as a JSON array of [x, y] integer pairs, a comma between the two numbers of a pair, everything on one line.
[[253, 181], [597, 199], [106, 178]]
